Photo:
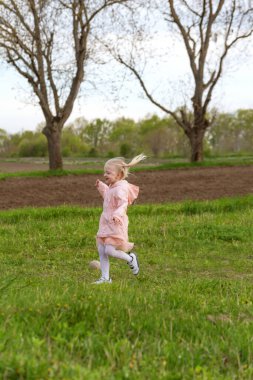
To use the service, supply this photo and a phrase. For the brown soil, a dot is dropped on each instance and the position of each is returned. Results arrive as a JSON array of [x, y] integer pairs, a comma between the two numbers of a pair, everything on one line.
[[155, 187]]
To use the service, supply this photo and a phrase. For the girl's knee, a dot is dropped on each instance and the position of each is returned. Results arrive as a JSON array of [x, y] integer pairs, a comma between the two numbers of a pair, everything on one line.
[[99, 244], [108, 249]]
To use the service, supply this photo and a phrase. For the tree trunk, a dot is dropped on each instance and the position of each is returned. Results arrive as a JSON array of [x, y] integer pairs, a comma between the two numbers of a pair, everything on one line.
[[53, 135], [196, 141]]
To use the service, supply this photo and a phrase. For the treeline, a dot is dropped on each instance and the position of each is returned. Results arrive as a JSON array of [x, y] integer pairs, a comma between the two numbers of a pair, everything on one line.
[[158, 137]]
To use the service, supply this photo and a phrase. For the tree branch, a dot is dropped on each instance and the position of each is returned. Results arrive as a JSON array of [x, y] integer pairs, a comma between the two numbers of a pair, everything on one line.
[[39, 55], [190, 52], [16, 12], [191, 9], [48, 58], [227, 46], [147, 93], [46, 111]]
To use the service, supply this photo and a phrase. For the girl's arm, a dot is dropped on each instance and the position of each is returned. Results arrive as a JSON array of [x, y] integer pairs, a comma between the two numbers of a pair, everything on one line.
[[102, 187], [122, 203]]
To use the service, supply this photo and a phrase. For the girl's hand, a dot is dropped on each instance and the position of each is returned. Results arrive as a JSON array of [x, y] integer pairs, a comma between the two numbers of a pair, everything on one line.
[[116, 220], [97, 183]]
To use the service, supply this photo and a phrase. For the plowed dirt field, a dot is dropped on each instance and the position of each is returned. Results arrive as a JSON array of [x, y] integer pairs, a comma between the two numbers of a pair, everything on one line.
[[155, 187]]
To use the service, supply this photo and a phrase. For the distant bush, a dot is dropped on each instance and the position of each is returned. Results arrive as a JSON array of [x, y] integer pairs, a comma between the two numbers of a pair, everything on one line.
[[72, 144], [126, 150], [35, 146]]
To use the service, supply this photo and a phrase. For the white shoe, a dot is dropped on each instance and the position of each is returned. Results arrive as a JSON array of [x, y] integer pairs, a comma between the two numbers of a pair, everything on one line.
[[103, 280], [134, 265]]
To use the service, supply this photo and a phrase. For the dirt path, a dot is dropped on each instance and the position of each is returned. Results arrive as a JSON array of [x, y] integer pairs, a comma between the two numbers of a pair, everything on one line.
[[155, 187]]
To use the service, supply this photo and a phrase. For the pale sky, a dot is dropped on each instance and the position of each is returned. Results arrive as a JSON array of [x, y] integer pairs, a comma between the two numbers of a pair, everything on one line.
[[165, 74], [234, 92]]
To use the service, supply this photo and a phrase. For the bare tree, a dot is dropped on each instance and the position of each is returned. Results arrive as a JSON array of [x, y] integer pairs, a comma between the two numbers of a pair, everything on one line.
[[209, 29], [50, 43]]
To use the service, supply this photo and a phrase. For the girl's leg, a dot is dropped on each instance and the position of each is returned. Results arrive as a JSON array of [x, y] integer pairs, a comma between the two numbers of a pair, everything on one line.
[[110, 250], [104, 261]]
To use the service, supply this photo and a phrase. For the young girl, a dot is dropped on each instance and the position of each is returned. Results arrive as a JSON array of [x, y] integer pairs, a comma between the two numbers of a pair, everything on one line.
[[112, 236]]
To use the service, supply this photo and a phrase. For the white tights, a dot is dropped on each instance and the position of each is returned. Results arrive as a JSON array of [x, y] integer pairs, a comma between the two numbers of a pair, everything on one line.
[[109, 250]]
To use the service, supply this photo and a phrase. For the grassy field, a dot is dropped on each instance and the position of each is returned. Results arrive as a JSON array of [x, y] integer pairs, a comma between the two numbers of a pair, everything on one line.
[[188, 315]]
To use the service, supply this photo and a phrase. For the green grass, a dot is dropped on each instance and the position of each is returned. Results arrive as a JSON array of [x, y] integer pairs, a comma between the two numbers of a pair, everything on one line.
[[188, 315], [50, 173], [150, 164]]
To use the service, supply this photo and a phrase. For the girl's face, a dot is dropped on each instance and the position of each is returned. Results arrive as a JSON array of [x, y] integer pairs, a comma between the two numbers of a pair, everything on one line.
[[111, 175]]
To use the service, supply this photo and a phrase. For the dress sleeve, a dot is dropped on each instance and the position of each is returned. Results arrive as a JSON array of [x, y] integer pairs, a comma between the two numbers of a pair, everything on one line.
[[122, 203], [133, 192], [102, 188]]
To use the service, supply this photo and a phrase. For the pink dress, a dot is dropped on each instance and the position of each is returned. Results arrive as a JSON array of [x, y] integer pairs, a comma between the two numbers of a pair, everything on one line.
[[117, 197]]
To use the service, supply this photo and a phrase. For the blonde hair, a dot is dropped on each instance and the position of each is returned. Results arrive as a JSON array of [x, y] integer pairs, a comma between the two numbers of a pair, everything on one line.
[[122, 166]]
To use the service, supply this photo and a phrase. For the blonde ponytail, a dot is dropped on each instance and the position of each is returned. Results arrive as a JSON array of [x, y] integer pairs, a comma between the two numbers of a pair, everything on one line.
[[136, 160], [122, 166]]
